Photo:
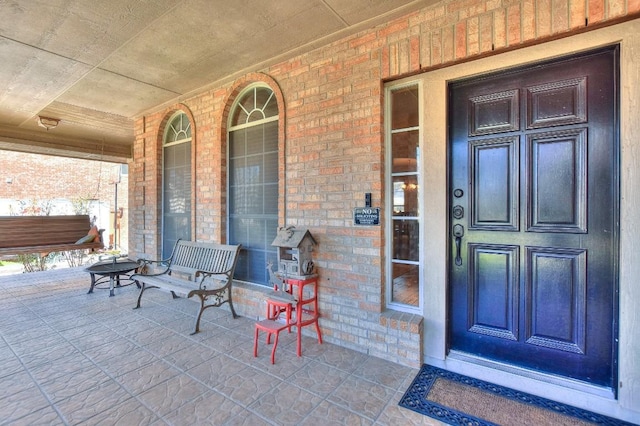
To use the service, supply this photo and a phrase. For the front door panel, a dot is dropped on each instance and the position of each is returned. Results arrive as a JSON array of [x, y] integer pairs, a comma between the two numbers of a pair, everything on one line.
[[534, 180]]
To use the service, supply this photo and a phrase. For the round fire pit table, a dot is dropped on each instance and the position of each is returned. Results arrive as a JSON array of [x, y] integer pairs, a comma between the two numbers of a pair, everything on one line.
[[112, 271]]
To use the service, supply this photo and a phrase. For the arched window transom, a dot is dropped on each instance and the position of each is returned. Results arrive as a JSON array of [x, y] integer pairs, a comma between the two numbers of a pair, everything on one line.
[[253, 181]]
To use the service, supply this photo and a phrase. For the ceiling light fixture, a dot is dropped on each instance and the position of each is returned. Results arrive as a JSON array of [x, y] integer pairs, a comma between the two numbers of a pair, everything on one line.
[[48, 122]]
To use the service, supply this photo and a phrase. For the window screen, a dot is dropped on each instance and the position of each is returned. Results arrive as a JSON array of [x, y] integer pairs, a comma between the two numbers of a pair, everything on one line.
[[176, 183], [253, 182]]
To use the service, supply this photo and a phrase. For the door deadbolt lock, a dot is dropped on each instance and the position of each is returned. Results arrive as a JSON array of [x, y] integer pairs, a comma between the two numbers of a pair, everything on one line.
[[458, 212]]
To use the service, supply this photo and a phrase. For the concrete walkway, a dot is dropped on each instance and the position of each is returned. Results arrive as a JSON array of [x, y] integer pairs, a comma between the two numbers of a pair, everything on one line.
[[68, 357]]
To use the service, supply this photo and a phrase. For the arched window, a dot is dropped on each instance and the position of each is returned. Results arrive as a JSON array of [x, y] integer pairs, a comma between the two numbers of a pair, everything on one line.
[[253, 181], [176, 182]]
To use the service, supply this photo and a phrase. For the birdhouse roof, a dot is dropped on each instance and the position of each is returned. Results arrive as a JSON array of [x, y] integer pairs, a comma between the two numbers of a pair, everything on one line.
[[291, 237]]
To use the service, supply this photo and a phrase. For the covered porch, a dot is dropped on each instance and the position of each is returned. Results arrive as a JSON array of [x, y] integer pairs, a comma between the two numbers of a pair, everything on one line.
[[332, 149], [68, 357]]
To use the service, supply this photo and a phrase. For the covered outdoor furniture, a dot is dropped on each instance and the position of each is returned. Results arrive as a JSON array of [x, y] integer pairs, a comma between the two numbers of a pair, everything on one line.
[[194, 268]]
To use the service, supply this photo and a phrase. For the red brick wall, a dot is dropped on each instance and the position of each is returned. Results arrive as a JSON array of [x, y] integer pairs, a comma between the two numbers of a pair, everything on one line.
[[333, 144], [41, 176], [36, 178]]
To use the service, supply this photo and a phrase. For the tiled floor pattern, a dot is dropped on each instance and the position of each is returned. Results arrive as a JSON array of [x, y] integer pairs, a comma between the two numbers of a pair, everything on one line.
[[68, 357]]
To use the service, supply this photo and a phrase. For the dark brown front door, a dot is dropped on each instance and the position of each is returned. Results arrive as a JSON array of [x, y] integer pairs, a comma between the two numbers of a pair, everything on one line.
[[533, 217]]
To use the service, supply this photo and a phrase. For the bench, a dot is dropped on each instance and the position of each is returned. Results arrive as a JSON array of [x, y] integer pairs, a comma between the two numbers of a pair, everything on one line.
[[46, 234], [193, 269]]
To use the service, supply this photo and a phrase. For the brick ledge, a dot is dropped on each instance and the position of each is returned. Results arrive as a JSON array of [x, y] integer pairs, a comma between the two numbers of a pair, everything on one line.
[[403, 321]]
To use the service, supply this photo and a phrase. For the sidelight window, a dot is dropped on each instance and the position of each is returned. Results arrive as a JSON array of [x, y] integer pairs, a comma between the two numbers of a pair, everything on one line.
[[403, 134]]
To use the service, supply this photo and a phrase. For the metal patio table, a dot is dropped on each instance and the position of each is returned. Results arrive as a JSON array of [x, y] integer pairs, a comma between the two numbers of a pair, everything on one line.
[[115, 271]]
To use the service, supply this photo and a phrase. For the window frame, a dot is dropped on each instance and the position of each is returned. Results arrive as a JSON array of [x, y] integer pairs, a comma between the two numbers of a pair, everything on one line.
[[167, 144], [247, 124], [389, 197]]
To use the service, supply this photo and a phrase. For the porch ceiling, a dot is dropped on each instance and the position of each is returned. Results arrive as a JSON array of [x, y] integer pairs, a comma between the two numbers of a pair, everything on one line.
[[95, 65]]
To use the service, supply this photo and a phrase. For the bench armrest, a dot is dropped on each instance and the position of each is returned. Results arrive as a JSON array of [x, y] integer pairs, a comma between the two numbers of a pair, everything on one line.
[[220, 277], [144, 263]]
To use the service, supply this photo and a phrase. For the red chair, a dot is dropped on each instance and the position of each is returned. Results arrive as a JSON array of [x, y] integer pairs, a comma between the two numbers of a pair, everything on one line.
[[273, 324]]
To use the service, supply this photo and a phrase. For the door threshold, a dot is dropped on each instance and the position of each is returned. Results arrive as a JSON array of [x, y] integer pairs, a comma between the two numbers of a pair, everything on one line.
[[546, 385]]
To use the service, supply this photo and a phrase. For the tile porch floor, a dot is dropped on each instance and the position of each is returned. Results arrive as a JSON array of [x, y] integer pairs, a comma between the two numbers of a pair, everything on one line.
[[68, 357]]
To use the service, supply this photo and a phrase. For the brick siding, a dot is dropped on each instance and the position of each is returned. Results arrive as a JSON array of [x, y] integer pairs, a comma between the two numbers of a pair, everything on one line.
[[34, 178], [332, 138]]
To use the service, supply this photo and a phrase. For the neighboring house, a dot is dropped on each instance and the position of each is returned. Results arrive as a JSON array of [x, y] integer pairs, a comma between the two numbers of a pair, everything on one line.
[[48, 185], [500, 142]]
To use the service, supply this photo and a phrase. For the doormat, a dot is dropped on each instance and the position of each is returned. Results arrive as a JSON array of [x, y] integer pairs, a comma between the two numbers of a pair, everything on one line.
[[460, 400]]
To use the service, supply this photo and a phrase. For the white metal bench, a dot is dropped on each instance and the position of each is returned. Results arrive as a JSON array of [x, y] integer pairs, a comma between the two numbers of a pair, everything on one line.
[[194, 269]]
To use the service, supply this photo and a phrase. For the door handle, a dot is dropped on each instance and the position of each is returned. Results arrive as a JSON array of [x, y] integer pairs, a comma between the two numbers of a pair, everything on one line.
[[458, 232]]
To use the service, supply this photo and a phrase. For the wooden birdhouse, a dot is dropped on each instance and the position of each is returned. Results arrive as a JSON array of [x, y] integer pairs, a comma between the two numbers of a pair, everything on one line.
[[294, 252]]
